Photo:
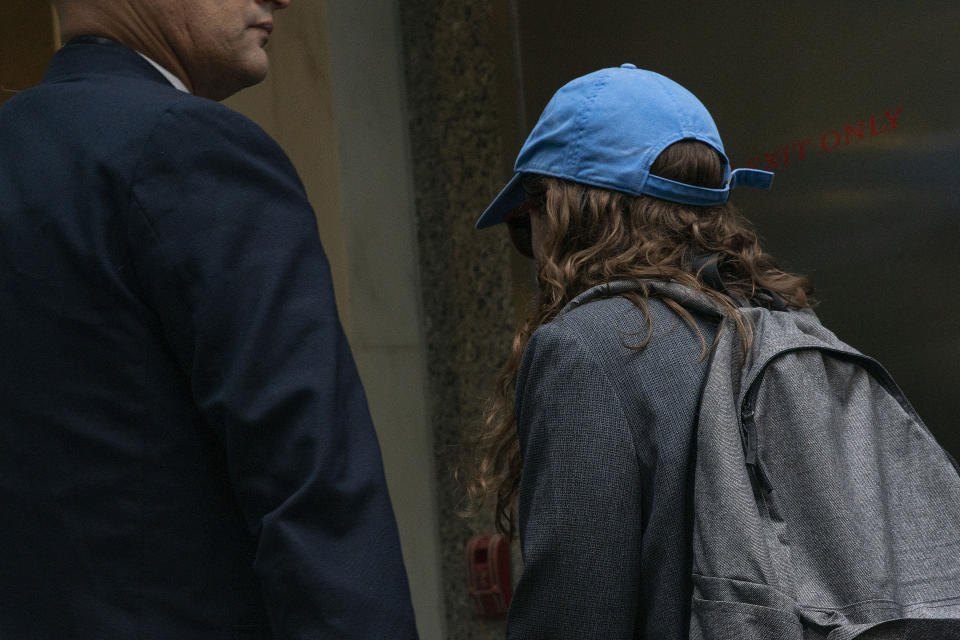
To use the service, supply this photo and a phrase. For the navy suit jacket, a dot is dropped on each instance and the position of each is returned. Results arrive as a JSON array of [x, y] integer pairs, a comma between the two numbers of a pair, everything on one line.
[[185, 446]]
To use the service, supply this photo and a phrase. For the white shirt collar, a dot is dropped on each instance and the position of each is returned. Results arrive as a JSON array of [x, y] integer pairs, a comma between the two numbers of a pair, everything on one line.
[[174, 80]]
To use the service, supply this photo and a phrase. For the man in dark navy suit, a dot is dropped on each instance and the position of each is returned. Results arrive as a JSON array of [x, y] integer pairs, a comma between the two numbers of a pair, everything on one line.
[[185, 447]]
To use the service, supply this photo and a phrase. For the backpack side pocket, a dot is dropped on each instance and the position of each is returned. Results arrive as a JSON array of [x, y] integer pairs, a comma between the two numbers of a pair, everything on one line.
[[726, 609]]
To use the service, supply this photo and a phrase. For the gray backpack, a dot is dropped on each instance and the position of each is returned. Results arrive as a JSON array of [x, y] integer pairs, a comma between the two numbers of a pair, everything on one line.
[[824, 508]]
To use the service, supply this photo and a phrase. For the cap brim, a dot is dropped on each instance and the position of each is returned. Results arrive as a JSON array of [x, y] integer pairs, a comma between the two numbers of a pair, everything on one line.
[[509, 198]]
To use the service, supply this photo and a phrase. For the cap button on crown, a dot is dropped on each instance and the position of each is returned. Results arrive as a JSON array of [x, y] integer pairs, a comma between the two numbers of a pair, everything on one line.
[[628, 65]]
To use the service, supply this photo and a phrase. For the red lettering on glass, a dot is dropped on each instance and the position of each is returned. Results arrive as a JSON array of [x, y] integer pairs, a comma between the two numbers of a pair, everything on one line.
[[829, 140]]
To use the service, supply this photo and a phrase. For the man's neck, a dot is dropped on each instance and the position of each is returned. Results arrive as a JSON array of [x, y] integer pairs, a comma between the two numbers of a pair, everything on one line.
[[126, 23]]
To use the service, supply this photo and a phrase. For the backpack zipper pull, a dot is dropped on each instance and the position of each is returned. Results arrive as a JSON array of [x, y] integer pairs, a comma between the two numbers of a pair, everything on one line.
[[758, 476]]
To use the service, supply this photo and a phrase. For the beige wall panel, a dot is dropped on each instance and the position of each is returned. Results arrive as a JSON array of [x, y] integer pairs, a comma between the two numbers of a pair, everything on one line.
[[27, 42], [295, 106]]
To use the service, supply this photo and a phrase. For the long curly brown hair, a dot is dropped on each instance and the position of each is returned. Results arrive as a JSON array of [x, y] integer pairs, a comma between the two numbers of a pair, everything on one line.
[[595, 236]]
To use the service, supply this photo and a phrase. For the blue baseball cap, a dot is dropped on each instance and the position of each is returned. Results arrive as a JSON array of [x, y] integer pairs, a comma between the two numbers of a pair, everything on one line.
[[606, 129]]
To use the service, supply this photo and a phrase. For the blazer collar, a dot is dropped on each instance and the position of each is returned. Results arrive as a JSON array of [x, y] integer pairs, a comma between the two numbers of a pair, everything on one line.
[[691, 300], [92, 55]]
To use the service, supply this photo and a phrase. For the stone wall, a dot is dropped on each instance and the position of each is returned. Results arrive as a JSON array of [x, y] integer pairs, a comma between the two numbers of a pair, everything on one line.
[[460, 111]]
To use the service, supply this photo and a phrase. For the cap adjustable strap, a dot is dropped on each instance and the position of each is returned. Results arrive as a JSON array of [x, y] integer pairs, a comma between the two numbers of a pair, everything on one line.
[[666, 189], [686, 193], [751, 178]]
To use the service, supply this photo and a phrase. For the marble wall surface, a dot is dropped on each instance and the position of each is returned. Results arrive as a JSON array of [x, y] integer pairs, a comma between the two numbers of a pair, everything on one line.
[[459, 106]]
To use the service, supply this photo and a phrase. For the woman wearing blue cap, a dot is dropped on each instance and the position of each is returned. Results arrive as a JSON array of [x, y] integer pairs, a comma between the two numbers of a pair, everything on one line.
[[624, 180]]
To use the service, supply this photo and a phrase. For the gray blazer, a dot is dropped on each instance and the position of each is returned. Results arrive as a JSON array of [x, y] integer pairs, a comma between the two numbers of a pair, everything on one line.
[[607, 437]]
